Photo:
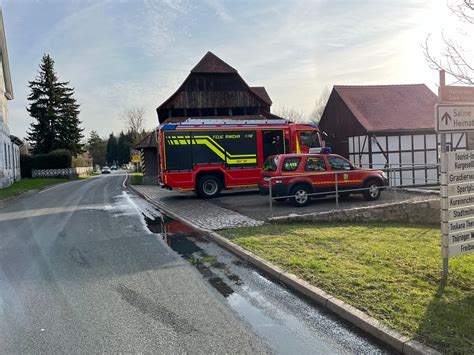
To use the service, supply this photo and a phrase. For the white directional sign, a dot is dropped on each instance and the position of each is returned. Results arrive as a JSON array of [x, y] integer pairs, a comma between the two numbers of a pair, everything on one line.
[[460, 249], [452, 118], [461, 237], [460, 189], [460, 225], [457, 203], [460, 161], [461, 212]]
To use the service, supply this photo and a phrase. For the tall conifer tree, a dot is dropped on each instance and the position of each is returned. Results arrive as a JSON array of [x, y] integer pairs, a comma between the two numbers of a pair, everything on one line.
[[112, 149], [56, 113]]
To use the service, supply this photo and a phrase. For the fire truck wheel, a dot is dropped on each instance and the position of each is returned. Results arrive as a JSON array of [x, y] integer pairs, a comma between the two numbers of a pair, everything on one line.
[[209, 186], [300, 195], [372, 190]]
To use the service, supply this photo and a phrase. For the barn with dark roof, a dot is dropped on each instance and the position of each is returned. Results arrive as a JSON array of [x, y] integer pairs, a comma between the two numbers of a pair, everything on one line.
[[213, 89], [388, 126]]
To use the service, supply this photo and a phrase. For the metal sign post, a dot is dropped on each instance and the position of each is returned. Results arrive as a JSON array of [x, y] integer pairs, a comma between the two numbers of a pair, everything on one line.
[[457, 173], [444, 195]]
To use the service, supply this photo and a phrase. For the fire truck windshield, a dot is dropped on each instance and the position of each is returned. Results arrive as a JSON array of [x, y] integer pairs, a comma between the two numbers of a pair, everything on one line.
[[310, 139]]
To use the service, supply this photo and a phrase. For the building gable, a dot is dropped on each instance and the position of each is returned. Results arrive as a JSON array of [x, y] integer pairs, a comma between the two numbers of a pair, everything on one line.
[[339, 122], [214, 88]]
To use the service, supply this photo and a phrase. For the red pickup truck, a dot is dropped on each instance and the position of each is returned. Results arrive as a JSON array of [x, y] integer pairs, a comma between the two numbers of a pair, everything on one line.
[[299, 175]]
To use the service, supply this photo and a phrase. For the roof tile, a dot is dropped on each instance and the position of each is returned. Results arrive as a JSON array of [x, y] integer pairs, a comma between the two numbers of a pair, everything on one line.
[[382, 108], [211, 63]]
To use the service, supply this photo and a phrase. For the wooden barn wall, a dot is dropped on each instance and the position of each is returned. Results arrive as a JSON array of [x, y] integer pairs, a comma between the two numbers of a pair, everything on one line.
[[214, 90], [339, 123]]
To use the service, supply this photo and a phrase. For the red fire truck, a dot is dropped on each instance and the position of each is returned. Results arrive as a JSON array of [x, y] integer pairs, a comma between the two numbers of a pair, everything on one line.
[[209, 155]]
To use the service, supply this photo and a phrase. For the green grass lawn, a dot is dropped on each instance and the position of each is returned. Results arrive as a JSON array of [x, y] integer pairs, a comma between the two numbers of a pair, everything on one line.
[[391, 272], [136, 178], [28, 184]]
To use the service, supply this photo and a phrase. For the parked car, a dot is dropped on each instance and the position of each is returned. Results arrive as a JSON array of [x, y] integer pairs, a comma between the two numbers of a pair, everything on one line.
[[299, 175], [105, 170], [113, 167]]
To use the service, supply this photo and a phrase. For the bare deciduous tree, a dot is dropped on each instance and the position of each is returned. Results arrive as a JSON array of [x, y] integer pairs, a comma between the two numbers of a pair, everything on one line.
[[320, 105], [290, 113], [453, 59], [134, 119]]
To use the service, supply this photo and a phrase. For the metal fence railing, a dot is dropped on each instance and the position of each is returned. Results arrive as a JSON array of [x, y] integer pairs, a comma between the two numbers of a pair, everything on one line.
[[390, 172]]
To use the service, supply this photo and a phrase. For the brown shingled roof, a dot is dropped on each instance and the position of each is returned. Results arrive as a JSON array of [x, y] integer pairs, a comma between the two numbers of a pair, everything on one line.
[[385, 108], [262, 93], [211, 63], [148, 142]]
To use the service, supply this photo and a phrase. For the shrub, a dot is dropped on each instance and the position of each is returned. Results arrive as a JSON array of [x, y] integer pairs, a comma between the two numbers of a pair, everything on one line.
[[57, 159], [81, 161]]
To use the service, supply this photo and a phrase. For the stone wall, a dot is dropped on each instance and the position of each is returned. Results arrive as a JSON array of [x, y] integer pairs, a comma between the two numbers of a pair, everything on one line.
[[411, 212]]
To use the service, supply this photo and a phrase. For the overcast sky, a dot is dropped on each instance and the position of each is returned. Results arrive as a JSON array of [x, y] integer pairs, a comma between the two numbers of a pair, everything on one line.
[[137, 52]]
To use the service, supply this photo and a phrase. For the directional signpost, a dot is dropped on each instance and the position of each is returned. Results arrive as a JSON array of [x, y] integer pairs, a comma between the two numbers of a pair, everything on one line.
[[456, 93], [457, 203], [453, 118], [456, 114]]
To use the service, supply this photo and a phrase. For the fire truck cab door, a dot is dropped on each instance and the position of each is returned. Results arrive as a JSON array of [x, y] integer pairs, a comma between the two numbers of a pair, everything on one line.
[[273, 143]]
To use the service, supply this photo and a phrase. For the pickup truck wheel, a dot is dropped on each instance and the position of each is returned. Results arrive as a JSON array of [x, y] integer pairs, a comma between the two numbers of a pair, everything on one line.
[[372, 190], [209, 186], [300, 195]]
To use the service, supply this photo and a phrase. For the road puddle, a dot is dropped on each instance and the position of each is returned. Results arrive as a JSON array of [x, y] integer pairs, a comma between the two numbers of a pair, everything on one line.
[[184, 240], [288, 323]]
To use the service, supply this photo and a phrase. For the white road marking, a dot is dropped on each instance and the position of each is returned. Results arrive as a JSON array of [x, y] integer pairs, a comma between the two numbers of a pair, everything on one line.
[[46, 211], [125, 180]]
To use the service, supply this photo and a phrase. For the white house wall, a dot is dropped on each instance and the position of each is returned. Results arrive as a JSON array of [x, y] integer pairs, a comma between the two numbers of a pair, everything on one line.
[[9, 158], [9, 152], [415, 157]]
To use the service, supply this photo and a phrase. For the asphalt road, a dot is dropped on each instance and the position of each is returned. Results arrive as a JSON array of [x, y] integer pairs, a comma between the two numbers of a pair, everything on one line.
[[80, 273]]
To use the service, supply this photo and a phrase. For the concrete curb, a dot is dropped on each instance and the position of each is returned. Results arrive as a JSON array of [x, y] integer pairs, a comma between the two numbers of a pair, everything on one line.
[[420, 191], [351, 314]]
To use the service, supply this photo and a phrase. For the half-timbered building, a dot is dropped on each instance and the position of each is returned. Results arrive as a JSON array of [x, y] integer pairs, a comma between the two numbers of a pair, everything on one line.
[[388, 126]]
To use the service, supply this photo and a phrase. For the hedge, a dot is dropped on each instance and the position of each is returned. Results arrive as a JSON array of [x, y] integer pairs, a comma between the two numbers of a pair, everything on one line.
[[57, 159], [26, 164]]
